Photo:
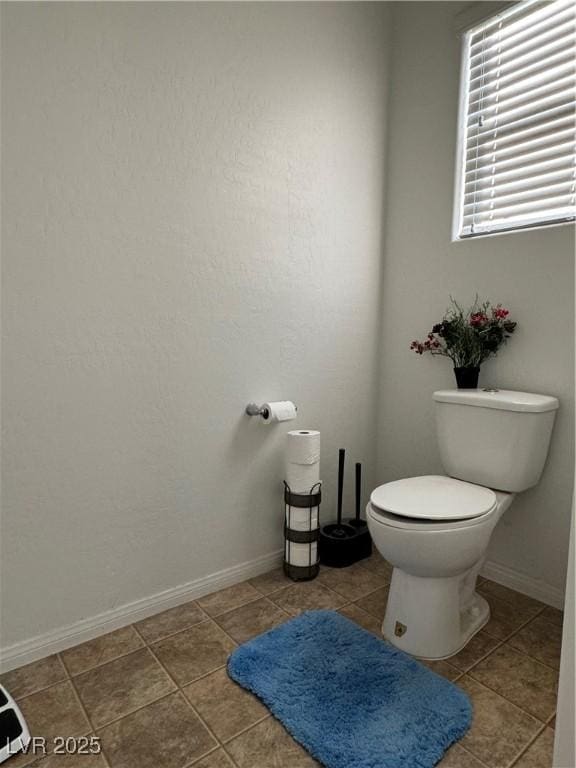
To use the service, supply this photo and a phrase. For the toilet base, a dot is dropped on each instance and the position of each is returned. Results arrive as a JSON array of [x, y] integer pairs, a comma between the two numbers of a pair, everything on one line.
[[428, 618]]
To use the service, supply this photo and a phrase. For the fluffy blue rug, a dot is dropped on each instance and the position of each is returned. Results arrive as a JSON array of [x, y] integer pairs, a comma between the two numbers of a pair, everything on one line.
[[351, 699]]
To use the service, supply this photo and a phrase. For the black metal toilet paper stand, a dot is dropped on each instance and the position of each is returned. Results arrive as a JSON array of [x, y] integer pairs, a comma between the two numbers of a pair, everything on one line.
[[311, 502]]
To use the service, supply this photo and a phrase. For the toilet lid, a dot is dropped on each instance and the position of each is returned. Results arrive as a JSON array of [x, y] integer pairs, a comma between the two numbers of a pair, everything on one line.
[[433, 497]]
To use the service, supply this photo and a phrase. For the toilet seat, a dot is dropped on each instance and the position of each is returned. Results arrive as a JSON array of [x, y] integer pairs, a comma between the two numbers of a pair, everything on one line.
[[432, 499]]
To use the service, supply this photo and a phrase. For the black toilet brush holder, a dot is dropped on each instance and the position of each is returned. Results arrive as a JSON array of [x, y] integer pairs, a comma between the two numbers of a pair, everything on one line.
[[343, 543]]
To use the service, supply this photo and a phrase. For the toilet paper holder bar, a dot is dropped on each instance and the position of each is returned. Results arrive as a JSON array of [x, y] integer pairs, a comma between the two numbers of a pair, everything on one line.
[[258, 410]]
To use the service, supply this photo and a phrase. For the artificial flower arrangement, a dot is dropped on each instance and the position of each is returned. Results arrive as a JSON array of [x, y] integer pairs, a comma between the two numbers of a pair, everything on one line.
[[468, 337]]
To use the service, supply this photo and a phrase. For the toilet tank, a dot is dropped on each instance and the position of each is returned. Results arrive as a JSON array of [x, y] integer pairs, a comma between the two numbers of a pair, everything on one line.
[[496, 438]]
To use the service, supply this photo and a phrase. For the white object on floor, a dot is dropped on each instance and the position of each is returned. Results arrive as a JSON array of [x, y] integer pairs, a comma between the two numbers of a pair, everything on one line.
[[14, 733], [435, 530]]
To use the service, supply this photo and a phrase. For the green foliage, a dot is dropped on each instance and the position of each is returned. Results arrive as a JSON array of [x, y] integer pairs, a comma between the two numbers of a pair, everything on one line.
[[468, 336]]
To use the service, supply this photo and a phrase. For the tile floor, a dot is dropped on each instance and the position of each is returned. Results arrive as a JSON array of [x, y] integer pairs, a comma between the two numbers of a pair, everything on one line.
[[157, 694]]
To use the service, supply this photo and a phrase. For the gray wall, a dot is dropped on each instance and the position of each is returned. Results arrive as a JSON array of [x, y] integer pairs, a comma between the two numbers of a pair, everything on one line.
[[193, 200], [531, 272]]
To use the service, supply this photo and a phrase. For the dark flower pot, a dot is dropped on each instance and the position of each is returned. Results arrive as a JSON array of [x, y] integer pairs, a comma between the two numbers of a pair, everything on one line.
[[467, 378]]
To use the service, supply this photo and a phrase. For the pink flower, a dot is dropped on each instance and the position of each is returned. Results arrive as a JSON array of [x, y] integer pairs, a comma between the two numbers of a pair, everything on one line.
[[417, 346], [500, 313], [478, 319]]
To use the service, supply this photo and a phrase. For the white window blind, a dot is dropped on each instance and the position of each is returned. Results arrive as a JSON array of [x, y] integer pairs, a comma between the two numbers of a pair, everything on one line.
[[517, 142]]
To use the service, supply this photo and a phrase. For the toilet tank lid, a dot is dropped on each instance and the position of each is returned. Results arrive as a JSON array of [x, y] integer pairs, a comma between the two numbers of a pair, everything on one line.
[[503, 399]]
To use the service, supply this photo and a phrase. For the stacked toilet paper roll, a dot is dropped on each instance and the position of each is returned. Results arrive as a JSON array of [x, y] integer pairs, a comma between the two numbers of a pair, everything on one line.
[[303, 477], [302, 460]]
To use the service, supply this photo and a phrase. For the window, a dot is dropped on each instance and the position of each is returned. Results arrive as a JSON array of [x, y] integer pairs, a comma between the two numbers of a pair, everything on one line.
[[517, 139]]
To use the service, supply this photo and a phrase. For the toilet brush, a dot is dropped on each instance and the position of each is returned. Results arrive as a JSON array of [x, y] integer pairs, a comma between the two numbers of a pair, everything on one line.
[[336, 539], [363, 541], [358, 491], [338, 529]]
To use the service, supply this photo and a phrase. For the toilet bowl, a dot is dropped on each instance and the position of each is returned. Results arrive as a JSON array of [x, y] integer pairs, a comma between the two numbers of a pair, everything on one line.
[[435, 529]]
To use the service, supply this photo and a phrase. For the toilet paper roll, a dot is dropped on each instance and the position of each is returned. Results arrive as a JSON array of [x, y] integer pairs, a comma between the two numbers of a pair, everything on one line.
[[283, 410], [303, 446], [302, 519], [302, 478], [301, 554]]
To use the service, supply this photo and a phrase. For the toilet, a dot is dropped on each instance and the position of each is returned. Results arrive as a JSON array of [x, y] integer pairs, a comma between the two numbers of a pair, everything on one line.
[[435, 529]]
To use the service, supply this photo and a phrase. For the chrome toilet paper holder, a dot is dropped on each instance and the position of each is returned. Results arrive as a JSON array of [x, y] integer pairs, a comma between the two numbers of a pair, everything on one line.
[[259, 410]]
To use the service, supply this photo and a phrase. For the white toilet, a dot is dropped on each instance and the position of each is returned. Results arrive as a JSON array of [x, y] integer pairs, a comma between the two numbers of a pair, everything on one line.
[[434, 530]]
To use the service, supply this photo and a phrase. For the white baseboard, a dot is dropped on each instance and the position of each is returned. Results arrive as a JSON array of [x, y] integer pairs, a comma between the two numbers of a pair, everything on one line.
[[24, 652], [512, 579]]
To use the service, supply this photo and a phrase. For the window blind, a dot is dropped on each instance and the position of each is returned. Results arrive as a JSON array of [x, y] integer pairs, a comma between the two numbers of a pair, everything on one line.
[[517, 165]]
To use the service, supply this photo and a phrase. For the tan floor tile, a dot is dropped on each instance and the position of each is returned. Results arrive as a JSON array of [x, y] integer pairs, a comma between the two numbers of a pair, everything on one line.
[[169, 622], [499, 729], [218, 759], [352, 583], [229, 598], [249, 620], [306, 596], [71, 760], [224, 706], [510, 596], [33, 677], [553, 615], [541, 639], [271, 582], [441, 667], [458, 757], [101, 650], [375, 603], [194, 652], [476, 648], [362, 618], [50, 713], [122, 686], [268, 745], [552, 722], [165, 733], [539, 754], [519, 678], [506, 618], [377, 564]]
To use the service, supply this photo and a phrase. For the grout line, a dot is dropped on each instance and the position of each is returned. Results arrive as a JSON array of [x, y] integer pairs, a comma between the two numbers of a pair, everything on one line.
[[137, 709], [240, 605], [192, 707], [525, 749], [45, 687], [503, 696], [247, 728], [506, 640], [150, 643], [202, 757], [108, 661], [469, 752], [514, 631]]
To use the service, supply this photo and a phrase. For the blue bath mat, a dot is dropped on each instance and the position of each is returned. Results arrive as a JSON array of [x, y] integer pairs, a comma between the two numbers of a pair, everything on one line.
[[351, 699]]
